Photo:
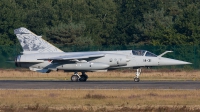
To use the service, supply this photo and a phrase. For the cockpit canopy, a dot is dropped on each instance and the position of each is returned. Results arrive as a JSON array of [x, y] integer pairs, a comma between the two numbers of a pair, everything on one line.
[[143, 53]]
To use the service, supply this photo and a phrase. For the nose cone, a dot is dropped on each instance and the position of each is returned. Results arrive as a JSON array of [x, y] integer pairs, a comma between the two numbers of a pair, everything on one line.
[[168, 61]]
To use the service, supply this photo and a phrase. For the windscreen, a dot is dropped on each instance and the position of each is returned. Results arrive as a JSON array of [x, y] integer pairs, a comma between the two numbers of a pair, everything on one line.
[[138, 52]]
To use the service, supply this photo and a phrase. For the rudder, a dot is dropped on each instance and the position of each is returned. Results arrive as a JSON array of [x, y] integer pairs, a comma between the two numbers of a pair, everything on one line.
[[31, 43]]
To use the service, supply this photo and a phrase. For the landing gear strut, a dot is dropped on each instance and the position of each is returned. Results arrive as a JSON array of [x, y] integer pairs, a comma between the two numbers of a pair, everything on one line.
[[137, 79], [76, 77]]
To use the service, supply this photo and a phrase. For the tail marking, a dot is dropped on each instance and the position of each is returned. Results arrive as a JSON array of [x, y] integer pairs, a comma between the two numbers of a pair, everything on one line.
[[31, 43]]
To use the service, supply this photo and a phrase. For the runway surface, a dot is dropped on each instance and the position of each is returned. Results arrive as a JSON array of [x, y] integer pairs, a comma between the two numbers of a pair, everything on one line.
[[33, 84]]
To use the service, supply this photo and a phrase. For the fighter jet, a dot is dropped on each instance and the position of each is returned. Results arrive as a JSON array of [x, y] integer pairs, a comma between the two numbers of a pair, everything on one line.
[[40, 56]]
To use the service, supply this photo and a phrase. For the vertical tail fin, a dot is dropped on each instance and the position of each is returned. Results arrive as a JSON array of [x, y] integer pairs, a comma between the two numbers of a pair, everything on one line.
[[31, 43]]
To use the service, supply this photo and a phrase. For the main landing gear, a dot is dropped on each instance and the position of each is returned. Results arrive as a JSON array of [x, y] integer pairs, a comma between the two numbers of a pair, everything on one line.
[[76, 77], [83, 77], [137, 79]]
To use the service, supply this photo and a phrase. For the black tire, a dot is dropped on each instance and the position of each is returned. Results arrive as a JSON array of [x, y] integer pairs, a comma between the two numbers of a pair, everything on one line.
[[136, 79], [74, 78], [83, 78]]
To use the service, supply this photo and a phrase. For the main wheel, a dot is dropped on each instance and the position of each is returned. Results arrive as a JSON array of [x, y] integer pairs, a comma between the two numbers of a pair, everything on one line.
[[136, 79], [83, 78], [74, 78]]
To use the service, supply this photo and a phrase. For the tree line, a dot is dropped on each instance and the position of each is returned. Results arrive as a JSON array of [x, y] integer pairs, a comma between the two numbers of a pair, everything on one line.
[[103, 22], [155, 25]]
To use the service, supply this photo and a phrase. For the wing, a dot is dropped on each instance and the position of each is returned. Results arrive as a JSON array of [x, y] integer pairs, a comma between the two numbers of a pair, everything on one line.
[[74, 57]]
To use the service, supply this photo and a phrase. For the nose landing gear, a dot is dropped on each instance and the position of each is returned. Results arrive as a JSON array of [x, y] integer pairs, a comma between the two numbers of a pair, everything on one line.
[[137, 79]]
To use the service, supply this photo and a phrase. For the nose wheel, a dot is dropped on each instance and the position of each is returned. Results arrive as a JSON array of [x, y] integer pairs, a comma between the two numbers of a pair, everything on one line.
[[137, 79]]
